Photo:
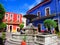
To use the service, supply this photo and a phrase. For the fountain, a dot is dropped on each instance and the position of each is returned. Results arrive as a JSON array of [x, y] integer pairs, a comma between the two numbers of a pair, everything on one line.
[[34, 38]]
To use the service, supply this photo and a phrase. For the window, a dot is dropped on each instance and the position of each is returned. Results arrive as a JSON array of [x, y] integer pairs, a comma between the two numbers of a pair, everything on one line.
[[38, 14], [11, 17], [18, 18], [39, 27], [6, 17], [47, 11]]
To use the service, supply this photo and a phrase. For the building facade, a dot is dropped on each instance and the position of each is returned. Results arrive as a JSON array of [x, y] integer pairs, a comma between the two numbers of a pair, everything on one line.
[[13, 20], [47, 9]]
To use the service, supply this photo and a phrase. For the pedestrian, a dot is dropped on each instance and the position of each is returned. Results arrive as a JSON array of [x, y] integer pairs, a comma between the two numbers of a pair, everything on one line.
[[22, 31]]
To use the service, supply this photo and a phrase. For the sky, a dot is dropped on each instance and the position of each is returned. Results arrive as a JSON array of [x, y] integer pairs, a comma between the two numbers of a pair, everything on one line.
[[19, 6]]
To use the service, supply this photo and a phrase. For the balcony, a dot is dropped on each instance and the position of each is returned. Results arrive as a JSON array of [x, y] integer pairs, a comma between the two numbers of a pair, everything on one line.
[[44, 17]]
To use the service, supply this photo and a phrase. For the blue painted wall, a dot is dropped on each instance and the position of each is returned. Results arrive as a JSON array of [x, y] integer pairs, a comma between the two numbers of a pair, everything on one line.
[[54, 6]]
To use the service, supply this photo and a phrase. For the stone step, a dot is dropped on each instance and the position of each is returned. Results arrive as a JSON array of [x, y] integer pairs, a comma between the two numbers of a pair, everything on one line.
[[19, 42], [39, 42], [28, 41], [12, 42]]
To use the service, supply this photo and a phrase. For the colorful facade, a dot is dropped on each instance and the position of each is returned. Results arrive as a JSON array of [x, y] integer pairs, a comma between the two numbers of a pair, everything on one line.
[[13, 20], [47, 9]]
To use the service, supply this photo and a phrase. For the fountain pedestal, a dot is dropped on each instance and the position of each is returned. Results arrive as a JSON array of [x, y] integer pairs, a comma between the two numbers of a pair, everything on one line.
[[34, 39], [49, 39], [16, 39]]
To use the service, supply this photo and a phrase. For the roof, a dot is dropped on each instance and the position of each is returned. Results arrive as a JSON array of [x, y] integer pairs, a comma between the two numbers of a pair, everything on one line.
[[12, 13], [42, 3], [30, 16]]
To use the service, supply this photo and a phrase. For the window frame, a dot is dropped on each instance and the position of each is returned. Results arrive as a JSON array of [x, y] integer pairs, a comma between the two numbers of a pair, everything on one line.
[[18, 18], [11, 18], [6, 17], [49, 11], [40, 13]]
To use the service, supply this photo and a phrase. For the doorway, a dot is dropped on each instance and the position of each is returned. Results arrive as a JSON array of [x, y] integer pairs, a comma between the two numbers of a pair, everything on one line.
[[57, 30], [18, 30], [39, 27], [10, 28]]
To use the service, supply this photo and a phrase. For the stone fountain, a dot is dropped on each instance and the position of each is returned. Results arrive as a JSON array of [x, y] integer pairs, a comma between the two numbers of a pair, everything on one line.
[[34, 38]]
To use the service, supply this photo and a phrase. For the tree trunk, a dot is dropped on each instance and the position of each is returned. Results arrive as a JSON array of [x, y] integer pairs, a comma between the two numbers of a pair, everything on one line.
[[49, 30]]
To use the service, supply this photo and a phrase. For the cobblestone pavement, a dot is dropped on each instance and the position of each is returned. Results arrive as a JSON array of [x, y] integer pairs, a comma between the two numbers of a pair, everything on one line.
[[8, 35], [58, 41]]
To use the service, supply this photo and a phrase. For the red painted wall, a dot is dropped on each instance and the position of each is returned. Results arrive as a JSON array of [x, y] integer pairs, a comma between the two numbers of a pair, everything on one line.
[[14, 22], [14, 18]]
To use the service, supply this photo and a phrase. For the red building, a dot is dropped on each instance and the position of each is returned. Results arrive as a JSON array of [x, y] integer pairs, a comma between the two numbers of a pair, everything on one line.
[[12, 20]]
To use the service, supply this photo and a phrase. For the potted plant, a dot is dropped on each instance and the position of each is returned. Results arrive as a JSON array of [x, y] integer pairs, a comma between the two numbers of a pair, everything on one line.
[[48, 23]]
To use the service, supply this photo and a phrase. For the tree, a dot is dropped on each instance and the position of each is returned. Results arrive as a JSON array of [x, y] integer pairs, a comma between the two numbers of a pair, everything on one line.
[[48, 23], [21, 25], [24, 38], [2, 12], [2, 26]]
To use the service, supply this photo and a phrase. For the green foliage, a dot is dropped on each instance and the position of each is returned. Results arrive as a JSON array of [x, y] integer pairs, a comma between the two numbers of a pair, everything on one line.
[[3, 25], [50, 23], [58, 33], [21, 25], [3, 35], [2, 12], [24, 38]]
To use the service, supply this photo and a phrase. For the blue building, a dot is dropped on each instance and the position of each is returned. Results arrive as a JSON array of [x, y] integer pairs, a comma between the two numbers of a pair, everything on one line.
[[47, 9]]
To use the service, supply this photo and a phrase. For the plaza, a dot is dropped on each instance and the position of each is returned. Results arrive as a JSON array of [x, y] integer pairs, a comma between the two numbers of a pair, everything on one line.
[[39, 25]]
